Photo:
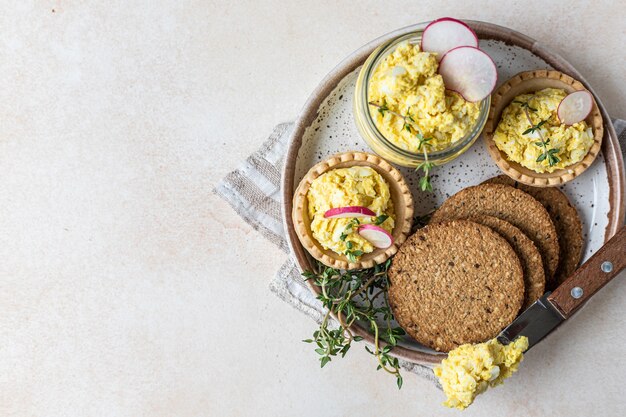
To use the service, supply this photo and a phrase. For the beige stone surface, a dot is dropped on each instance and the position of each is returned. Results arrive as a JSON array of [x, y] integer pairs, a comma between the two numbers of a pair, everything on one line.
[[128, 289]]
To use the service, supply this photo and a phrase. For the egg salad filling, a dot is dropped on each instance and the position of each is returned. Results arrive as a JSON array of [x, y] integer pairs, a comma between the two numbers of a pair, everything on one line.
[[549, 147], [470, 369], [345, 187], [406, 84]]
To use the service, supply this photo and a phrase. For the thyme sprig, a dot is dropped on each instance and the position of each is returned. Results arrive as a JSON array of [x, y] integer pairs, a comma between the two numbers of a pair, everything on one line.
[[351, 296], [382, 108], [353, 224], [422, 142], [547, 154], [426, 166], [350, 252]]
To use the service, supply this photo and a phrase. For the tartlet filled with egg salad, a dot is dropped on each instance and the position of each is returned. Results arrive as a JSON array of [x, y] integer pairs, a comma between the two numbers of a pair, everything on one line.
[[531, 134], [352, 211]]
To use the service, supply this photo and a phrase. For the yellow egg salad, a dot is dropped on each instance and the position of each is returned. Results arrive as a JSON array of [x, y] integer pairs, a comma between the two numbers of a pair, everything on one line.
[[346, 187], [470, 369], [406, 83], [564, 145]]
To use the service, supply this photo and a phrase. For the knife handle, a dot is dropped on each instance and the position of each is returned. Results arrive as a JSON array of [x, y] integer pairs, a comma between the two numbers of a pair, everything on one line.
[[594, 274]]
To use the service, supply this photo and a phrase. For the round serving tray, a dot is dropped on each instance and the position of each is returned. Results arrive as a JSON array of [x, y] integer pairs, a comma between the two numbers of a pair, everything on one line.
[[326, 126]]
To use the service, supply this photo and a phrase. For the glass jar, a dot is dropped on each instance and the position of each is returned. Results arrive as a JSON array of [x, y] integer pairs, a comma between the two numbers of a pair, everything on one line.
[[374, 138]]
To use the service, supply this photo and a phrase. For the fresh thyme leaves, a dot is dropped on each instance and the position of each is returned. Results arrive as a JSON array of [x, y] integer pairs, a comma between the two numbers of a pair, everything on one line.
[[380, 219], [356, 296], [422, 142], [547, 154], [408, 118], [534, 128], [382, 108], [354, 223], [426, 166], [353, 254]]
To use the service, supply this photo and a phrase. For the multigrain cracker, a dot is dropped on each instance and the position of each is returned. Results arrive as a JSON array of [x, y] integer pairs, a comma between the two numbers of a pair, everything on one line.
[[527, 252], [509, 204], [454, 283], [566, 220]]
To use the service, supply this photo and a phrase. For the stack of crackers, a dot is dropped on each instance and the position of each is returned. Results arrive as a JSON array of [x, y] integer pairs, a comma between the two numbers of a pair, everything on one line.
[[488, 252]]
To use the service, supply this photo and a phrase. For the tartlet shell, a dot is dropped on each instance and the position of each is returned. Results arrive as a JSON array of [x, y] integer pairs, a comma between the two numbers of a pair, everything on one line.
[[400, 195], [528, 82]]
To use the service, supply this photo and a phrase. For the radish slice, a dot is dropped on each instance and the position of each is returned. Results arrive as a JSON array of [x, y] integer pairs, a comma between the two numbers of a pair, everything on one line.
[[353, 211], [376, 235], [444, 34], [470, 72], [575, 107]]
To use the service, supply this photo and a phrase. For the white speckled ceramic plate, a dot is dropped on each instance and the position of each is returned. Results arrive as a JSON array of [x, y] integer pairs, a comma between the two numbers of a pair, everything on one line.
[[326, 126]]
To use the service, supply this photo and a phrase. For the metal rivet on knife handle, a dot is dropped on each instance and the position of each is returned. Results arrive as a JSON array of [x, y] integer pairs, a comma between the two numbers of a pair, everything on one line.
[[606, 267], [577, 292], [603, 266]]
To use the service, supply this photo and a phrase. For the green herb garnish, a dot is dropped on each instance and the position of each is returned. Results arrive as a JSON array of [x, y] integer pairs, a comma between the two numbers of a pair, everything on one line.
[[547, 154], [353, 224], [380, 219], [422, 142], [534, 128], [408, 118], [382, 108], [353, 254], [426, 166], [350, 296]]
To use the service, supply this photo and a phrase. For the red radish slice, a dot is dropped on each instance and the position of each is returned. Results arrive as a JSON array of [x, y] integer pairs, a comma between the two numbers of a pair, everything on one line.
[[353, 211], [444, 34], [575, 107], [470, 72], [376, 235]]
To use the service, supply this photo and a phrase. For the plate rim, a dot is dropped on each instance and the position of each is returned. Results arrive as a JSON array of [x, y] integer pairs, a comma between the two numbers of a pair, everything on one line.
[[309, 112]]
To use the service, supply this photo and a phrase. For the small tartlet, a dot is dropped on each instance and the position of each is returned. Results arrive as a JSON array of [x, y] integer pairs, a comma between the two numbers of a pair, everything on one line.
[[400, 195], [530, 82]]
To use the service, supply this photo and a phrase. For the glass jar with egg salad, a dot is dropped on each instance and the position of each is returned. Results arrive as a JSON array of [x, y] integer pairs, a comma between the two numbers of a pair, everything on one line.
[[398, 86]]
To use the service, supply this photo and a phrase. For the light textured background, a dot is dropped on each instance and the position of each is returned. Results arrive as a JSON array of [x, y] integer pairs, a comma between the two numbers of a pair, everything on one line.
[[128, 289]]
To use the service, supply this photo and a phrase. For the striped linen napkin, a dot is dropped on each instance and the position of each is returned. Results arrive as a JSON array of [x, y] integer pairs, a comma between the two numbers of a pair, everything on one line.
[[253, 190]]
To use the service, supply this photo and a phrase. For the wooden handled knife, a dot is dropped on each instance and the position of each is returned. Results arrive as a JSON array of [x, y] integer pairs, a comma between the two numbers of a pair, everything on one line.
[[553, 308]]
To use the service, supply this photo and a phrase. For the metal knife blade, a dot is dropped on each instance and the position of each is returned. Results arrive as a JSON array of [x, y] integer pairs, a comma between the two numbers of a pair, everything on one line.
[[535, 323], [550, 310]]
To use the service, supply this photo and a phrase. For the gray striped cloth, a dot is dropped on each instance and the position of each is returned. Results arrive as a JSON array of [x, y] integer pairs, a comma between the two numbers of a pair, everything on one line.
[[253, 190]]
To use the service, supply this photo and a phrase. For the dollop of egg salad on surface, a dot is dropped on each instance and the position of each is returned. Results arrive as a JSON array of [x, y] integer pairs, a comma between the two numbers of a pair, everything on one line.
[[349, 187], [470, 369], [406, 84], [531, 134]]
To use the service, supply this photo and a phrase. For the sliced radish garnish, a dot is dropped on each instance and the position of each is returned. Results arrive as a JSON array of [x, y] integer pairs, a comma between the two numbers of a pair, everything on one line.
[[444, 34], [469, 71], [376, 235], [575, 107], [353, 211]]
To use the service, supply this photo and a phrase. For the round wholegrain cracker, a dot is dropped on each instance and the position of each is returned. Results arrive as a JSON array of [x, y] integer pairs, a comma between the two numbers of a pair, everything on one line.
[[453, 283], [526, 251], [509, 204], [566, 221]]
